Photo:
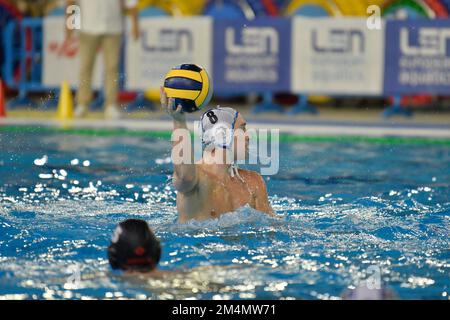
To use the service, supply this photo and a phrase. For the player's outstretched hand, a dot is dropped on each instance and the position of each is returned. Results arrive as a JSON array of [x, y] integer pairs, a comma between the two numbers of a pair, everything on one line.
[[168, 106]]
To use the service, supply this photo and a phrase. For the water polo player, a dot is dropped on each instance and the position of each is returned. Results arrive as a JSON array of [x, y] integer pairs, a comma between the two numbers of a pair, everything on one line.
[[209, 188], [134, 247]]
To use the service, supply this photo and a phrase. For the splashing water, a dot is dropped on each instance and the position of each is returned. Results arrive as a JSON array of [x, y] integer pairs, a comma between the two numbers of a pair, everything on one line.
[[343, 209]]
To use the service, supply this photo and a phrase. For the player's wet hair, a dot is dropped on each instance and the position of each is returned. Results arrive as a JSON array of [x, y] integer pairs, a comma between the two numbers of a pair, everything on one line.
[[134, 247]]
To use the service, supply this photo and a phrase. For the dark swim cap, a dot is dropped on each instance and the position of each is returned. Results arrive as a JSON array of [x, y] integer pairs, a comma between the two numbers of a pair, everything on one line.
[[134, 247]]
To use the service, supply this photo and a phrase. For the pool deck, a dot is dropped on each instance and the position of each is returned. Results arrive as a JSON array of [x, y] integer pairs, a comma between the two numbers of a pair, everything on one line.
[[329, 122]]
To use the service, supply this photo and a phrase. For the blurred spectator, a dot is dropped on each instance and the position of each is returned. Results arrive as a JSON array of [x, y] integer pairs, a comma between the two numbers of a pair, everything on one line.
[[101, 26]]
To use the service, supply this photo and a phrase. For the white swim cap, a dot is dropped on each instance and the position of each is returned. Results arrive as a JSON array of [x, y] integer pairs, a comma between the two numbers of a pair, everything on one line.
[[217, 126]]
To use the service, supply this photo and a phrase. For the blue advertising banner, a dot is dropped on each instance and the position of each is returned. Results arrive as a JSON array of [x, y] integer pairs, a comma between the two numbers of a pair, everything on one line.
[[252, 55], [417, 58]]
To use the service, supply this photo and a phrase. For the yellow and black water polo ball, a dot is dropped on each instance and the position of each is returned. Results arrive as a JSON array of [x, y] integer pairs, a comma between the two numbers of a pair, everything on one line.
[[190, 85]]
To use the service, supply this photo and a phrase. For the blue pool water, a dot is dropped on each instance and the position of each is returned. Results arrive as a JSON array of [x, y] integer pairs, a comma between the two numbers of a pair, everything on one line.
[[346, 210]]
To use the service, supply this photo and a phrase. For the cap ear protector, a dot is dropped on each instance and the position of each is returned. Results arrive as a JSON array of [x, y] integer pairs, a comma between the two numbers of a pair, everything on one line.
[[217, 126], [134, 246]]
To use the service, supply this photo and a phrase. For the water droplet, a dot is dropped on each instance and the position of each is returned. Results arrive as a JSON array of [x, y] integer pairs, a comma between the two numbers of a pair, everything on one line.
[[41, 161]]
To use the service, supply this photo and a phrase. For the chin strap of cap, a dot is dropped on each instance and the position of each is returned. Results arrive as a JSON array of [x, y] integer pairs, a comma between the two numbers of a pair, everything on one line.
[[234, 171]]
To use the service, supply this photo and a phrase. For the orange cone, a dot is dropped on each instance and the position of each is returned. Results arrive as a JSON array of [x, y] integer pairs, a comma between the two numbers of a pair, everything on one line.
[[2, 101]]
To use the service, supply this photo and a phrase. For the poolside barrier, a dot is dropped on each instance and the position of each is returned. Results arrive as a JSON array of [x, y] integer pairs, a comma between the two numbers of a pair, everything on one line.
[[65, 103], [340, 58]]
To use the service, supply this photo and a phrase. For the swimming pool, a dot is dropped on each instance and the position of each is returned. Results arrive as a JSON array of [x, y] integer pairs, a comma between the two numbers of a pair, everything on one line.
[[346, 206]]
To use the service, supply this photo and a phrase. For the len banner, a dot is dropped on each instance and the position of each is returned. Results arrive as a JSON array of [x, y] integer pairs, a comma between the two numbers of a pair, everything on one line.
[[417, 57], [252, 55], [164, 43], [336, 57], [330, 56]]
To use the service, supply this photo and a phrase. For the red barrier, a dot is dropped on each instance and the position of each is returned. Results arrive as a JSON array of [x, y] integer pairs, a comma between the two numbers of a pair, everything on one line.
[[2, 101], [271, 8], [438, 8]]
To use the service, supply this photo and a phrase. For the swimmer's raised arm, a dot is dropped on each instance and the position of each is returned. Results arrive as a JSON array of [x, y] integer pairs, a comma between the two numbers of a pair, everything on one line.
[[184, 174]]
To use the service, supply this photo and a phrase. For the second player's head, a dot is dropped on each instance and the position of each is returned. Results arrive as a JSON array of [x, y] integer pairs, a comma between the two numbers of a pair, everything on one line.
[[134, 247]]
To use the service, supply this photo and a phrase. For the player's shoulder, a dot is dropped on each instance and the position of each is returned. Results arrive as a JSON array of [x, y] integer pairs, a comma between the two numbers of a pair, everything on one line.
[[250, 174]]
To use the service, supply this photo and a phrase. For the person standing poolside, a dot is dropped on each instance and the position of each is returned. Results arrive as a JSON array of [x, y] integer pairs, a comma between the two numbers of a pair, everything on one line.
[[101, 26], [209, 188]]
